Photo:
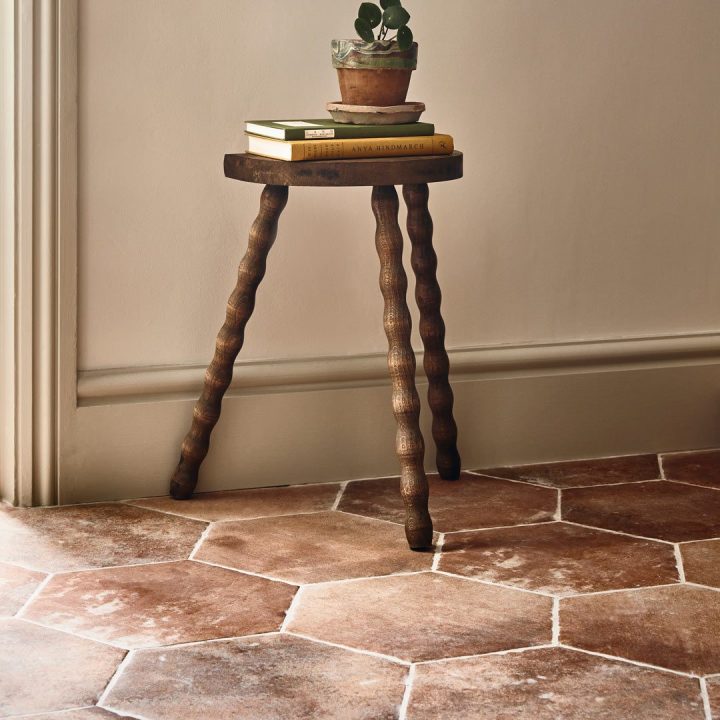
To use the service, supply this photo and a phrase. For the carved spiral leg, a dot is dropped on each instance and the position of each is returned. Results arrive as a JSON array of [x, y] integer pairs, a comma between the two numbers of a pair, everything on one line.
[[432, 330], [229, 341], [401, 363]]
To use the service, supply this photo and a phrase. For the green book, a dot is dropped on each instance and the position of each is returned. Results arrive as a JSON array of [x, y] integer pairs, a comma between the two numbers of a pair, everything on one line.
[[327, 129]]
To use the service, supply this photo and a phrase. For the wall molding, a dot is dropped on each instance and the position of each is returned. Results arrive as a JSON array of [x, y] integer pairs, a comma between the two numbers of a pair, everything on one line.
[[148, 384]]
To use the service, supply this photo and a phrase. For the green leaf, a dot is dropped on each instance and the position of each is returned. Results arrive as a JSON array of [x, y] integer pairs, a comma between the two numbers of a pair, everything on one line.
[[404, 37], [363, 29], [370, 12], [395, 17], [385, 4]]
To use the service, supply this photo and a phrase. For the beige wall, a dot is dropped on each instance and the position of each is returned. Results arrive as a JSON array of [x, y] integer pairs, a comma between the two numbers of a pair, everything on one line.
[[579, 256], [589, 208]]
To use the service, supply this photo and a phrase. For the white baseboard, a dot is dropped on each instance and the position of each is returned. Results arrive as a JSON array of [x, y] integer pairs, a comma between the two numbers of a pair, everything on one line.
[[327, 419]]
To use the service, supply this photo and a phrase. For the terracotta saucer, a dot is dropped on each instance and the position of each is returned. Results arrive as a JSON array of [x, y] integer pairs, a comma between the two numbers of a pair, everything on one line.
[[376, 115]]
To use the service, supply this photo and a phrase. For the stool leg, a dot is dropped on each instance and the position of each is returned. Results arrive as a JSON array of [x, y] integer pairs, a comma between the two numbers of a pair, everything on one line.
[[229, 341], [432, 330], [401, 363]]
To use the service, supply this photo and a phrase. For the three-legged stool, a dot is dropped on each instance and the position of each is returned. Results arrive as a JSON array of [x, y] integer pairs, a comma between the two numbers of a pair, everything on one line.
[[413, 173]]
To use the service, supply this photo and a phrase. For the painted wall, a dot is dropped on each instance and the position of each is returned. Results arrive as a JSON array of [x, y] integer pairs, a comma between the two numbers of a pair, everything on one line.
[[589, 208], [588, 216]]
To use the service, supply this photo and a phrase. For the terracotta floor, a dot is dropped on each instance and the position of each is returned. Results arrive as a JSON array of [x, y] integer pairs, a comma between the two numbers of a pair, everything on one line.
[[579, 590]]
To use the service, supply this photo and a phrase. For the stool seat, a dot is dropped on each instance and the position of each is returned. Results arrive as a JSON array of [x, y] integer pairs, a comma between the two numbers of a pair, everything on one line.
[[407, 170]]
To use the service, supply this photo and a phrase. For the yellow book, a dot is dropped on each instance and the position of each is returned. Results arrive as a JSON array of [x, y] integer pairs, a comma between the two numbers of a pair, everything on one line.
[[350, 148]]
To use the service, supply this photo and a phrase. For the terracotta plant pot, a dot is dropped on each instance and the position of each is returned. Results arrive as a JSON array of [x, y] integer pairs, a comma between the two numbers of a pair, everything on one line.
[[376, 73]]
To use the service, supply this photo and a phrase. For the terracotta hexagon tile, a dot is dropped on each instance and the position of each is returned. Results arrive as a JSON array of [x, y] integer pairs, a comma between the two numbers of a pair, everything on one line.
[[245, 504], [713, 687], [161, 604], [664, 510], [16, 586], [274, 677], [74, 537], [701, 561], [424, 616], [673, 627], [312, 548], [550, 684], [471, 502], [559, 558], [580, 473], [698, 468], [42, 670], [91, 713]]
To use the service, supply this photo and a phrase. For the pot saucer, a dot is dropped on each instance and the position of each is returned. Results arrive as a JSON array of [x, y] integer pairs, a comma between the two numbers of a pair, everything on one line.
[[407, 112]]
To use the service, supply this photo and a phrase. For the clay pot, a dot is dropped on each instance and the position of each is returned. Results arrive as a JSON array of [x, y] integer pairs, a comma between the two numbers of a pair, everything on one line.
[[375, 74]]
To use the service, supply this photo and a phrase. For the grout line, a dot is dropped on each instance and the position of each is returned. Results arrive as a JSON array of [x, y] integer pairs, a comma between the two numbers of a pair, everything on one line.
[[544, 646], [124, 713], [639, 663], [203, 536], [500, 527], [689, 542], [705, 699], [661, 466], [245, 572], [538, 483], [370, 517], [292, 609], [558, 509], [619, 532], [359, 651], [529, 481], [34, 595], [120, 567], [693, 484], [438, 551], [113, 680], [194, 518], [537, 593], [402, 712], [623, 590], [556, 621], [679, 562], [190, 643], [51, 712], [703, 587], [71, 633], [224, 521], [341, 490], [342, 581]]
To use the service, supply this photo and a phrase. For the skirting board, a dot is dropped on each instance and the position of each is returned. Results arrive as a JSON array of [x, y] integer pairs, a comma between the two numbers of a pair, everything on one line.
[[124, 439]]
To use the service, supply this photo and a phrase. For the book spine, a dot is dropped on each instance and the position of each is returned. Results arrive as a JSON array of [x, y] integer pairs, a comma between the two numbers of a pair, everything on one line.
[[372, 147], [356, 131]]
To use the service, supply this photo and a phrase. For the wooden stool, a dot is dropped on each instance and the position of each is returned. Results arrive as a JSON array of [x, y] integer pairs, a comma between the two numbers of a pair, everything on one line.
[[413, 173]]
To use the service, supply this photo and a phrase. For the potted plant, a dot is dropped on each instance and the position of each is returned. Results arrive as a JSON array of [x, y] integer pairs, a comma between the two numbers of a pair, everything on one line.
[[375, 70]]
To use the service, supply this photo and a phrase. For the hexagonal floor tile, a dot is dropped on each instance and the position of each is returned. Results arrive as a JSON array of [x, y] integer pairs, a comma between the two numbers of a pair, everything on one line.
[[559, 558], [161, 604], [698, 468], [16, 586], [42, 670], [90, 713], [424, 616], [663, 510], [582, 473], [74, 537], [701, 561], [312, 548], [673, 627], [713, 686], [246, 504], [274, 677], [466, 504], [549, 684]]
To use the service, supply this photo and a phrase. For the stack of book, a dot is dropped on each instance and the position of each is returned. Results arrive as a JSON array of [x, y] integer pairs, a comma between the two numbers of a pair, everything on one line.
[[329, 140]]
